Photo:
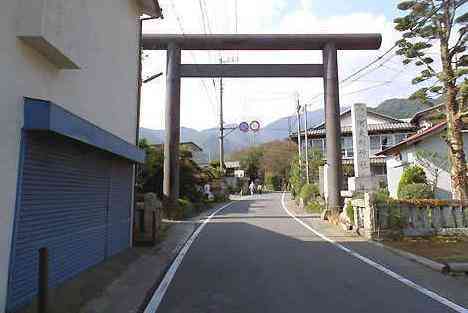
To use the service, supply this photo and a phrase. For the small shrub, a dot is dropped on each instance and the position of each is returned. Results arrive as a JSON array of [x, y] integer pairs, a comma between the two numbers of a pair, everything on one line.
[[309, 192], [220, 197], [273, 182], [411, 175], [416, 191], [186, 208], [314, 207], [350, 212]]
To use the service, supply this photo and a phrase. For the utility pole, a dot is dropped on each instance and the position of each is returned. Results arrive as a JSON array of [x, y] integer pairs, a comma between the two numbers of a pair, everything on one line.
[[298, 115], [221, 123], [306, 144]]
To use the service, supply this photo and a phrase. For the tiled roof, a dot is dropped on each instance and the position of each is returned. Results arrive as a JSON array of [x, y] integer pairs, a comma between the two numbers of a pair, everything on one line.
[[373, 160], [413, 139], [372, 128]]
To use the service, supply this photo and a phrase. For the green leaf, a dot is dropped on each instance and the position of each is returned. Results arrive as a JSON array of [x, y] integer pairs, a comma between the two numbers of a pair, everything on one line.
[[417, 80], [406, 5], [409, 34], [428, 60], [462, 18], [421, 95], [463, 60], [421, 45], [426, 73], [407, 61], [461, 72], [436, 88], [400, 51], [419, 63]]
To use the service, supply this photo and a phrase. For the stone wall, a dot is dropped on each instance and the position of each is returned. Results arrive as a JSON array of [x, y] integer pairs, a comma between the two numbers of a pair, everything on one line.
[[409, 217]]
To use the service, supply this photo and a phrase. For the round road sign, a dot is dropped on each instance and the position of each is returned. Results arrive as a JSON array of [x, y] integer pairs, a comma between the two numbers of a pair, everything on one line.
[[244, 127], [255, 126]]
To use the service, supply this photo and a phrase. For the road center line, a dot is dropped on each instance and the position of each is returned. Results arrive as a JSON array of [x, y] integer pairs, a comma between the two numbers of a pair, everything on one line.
[[158, 295], [380, 267]]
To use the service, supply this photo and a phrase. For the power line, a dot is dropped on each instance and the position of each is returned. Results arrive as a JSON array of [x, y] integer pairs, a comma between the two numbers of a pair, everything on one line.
[[352, 77], [181, 27], [368, 65]]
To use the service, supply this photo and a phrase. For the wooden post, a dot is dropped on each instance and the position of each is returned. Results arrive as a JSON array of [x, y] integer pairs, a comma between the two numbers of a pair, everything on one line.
[[154, 228]]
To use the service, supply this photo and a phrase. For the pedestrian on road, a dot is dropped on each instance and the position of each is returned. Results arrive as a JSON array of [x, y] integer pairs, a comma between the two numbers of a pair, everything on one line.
[[252, 188]]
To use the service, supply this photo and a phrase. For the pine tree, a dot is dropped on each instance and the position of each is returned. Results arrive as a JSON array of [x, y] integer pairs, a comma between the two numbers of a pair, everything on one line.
[[441, 24]]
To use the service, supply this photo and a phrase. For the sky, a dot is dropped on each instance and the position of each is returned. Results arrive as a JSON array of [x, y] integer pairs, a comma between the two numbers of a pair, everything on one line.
[[267, 99]]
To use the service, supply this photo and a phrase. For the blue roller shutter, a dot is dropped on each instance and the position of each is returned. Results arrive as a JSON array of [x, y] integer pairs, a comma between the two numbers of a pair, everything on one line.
[[120, 202], [74, 200]]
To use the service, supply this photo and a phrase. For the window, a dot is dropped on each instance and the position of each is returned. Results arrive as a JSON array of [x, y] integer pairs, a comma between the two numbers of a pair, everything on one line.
[[347, 147], [374, 144], [399, 138], [386, 141], [317, 144]]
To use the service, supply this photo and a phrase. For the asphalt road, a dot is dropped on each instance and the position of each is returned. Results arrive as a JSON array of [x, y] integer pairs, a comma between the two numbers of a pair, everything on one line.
[[254, 257]]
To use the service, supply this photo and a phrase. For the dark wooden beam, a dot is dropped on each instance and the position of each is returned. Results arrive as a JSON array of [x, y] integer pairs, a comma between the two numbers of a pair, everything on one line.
[[262, 42], [251, 70]]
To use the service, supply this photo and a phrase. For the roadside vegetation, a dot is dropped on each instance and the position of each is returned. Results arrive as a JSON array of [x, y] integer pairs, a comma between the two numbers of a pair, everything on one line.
[[269, 162], [192, 179]]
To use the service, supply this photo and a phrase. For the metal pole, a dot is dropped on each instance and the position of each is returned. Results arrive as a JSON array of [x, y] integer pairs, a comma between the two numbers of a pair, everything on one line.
[[298, 110], [306, 145], [43, 284], [221, 124], [333, 128], [171, 146]]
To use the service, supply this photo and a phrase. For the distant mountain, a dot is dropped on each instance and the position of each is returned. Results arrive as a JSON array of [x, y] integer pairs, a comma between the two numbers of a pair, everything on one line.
[[400, 108], [208, 139]]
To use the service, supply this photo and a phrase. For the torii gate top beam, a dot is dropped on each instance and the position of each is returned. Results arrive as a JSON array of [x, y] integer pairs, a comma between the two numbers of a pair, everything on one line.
[[263, 42]]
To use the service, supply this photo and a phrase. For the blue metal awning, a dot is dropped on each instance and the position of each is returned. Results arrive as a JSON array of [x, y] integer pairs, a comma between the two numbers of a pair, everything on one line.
[[47, 116]]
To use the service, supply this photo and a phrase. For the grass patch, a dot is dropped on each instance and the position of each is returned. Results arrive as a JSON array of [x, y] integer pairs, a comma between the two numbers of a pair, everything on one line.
[[442, 249]]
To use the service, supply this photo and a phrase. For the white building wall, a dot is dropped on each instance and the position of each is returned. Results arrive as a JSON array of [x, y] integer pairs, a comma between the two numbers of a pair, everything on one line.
[[103, 91], [371, 120], [433, 143]]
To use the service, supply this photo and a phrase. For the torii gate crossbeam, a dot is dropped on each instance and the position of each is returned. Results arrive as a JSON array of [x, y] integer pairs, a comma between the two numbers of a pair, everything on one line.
[[328, 43]]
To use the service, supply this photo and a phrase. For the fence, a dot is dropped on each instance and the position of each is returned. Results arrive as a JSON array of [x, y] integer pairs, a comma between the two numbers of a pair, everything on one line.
[[376, 218]]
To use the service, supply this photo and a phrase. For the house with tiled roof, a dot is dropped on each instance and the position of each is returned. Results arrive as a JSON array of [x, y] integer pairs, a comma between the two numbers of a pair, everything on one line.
[[384, 131], [428, 149]]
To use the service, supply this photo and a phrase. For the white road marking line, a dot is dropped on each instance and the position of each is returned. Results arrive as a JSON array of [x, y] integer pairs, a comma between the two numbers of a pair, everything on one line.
[[158, 295], [380, 267]]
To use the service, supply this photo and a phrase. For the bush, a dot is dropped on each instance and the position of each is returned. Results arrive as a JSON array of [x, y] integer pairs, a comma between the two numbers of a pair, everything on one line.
[[416, 191], [185, 209], [273, 182], [411, 175], [309, 192], [350, 212], [314, 207]]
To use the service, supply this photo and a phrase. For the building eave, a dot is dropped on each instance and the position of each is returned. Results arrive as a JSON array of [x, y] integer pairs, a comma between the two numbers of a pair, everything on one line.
[[412, 140], [151, 8]]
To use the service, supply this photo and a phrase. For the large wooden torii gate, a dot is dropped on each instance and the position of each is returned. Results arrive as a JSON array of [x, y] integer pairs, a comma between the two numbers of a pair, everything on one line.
[[328, 43]]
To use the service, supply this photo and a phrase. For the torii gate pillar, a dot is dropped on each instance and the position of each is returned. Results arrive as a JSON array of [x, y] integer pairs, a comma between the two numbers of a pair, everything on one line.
[[333, 128], [171, 146]]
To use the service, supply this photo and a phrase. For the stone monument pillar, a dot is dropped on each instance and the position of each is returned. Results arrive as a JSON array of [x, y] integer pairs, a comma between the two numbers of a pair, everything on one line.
[[362, 180]]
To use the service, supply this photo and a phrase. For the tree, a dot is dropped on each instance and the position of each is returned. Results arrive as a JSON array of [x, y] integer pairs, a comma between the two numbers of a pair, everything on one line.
[[440, 22], [434, 163], [271, 159], [413, 174], [276, 160], [316, 161]]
